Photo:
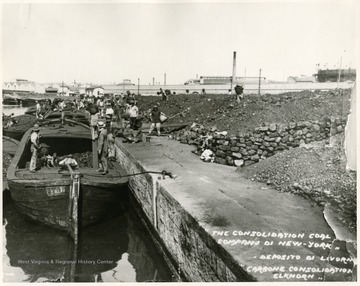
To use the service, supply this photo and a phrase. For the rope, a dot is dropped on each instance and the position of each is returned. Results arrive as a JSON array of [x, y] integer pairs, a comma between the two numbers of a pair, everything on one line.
[[164, 173]]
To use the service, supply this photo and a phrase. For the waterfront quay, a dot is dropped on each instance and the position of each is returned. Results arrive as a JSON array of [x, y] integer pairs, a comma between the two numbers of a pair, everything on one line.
[[213, 225]]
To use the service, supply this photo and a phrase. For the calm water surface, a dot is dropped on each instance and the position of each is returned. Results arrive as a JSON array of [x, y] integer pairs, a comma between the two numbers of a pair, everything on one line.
[[117, 250], [17, 110]]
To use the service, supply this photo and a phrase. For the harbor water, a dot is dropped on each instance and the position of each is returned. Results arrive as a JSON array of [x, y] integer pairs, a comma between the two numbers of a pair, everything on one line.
[[116, 250], [16, 109]]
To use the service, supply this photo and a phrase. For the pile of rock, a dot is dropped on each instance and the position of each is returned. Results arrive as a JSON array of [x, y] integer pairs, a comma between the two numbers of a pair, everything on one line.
[[248, 148]]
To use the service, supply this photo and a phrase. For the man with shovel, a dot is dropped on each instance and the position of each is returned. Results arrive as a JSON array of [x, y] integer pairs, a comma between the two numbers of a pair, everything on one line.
[[155, 120]]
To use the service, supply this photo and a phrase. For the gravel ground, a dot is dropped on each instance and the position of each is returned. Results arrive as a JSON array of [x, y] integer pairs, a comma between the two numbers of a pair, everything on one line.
[[314, 171]]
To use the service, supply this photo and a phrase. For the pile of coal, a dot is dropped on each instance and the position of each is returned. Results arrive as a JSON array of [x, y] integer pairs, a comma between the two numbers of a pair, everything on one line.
[[84, 159]]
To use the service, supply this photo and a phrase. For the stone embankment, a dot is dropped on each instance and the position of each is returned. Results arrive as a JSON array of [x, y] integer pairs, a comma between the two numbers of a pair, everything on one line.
[[245, 149]]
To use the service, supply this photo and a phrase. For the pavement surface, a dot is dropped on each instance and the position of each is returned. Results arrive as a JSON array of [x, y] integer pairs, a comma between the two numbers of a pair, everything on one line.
[[269, 233]]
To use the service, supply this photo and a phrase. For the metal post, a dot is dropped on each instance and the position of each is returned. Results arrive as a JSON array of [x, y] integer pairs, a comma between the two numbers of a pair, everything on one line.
[[233, 78], [138, 86], [153, 81], [259, 82], [94, 149], [164, 79], [339, 73], [234, 69], [244, 77]]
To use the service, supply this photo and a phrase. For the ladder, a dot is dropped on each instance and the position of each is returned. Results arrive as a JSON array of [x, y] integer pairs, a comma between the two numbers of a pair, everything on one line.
[[73, 209]]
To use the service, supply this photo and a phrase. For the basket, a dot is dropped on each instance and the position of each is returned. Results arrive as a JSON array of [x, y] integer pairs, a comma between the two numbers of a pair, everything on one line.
[[163, 117]]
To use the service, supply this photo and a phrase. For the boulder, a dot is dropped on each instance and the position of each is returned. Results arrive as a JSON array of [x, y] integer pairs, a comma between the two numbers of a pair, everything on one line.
[[268, 139], [224, 147], [220, 161], [248, 163], [272, 127], [301, 124], [316, 127], [230, 161], [255, 158], [237, 155], [220, 153], [239, 163]]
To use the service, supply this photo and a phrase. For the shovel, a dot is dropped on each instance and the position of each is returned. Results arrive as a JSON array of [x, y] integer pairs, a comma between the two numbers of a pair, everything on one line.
[[180, 113]]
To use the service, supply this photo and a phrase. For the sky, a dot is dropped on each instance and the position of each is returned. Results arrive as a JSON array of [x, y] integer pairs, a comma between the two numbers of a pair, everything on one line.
[[105, 43]]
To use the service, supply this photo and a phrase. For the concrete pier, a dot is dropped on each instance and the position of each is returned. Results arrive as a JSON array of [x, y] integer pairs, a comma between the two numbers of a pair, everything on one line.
[[218, 226]]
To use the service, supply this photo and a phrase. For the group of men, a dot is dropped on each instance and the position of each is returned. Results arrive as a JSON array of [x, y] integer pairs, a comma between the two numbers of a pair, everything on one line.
[[109, 117], [40, 158]]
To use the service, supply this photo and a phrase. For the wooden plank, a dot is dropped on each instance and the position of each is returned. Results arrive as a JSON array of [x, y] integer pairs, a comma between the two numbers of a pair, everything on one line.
[[94, 149], [146, 126]]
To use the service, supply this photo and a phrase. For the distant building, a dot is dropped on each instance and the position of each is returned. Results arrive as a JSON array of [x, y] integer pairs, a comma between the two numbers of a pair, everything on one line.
[[51, 90], [302, 78], [333, 75], [126, 82], [217, 80], [23, 85], [94, 90], [192, 82]]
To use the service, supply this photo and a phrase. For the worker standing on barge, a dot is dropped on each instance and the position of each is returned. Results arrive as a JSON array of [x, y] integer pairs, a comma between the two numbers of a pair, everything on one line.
[[34, 138], [103, 148], [62, 106], [38, 109]]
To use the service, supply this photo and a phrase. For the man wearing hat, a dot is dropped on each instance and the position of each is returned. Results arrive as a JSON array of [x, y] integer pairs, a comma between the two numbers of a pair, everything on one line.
[[109, 111], [103, 147], [134, 113], [62, 106], [155, 120], [34, 138], [38, 109]]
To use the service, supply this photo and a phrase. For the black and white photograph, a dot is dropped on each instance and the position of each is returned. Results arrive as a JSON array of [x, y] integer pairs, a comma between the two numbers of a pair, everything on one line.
[[179, 141]]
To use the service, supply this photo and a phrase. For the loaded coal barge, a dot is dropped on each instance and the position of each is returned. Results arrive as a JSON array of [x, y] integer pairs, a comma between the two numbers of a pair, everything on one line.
[[64, 199]]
